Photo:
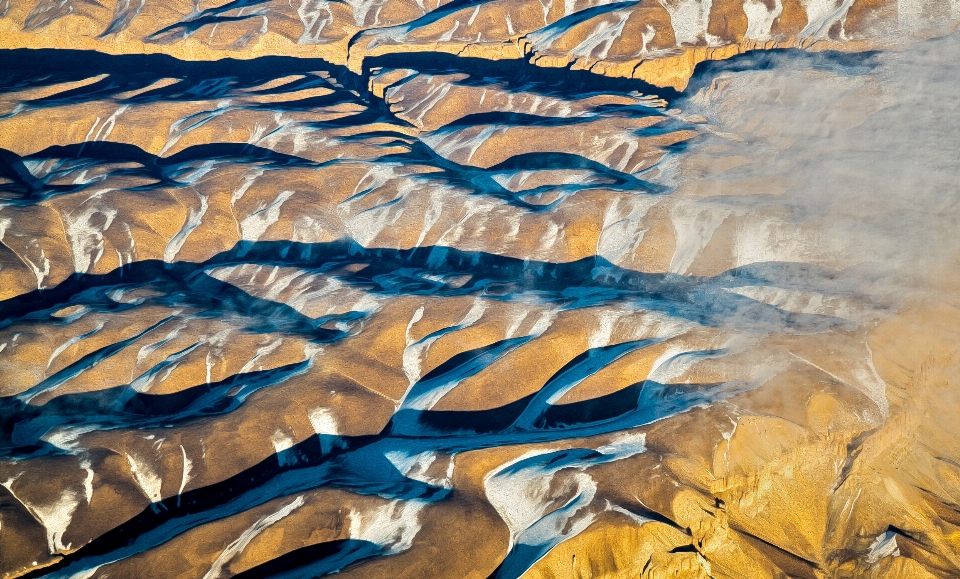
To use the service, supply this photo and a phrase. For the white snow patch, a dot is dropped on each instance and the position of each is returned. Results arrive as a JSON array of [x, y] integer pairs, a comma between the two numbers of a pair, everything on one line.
[[281, 441], [760, 18], [55, 517], [415, 466], [193, 221], [885, 545], [392, 526], [255, 225], [323, 421], [147, 480], [240, 543]]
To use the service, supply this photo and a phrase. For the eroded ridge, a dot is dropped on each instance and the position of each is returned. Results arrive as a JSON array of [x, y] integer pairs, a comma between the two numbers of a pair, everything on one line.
[[407, 315], [658, 41]]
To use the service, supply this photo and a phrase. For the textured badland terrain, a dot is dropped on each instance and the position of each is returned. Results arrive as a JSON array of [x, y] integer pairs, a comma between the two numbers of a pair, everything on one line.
[[468, 289]]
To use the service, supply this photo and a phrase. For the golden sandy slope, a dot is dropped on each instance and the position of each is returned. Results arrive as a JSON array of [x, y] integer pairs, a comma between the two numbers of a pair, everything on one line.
[[331, 306]]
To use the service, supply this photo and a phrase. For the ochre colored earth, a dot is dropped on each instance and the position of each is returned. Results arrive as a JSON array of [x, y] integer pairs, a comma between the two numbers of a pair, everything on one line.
[[470, 289]]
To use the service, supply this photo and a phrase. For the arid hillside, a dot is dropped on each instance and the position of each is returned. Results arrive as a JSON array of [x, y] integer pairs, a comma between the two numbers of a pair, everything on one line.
[[481, 289]]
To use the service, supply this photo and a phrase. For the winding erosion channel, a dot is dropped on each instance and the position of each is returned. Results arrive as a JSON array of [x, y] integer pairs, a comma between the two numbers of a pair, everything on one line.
[[479, 289]]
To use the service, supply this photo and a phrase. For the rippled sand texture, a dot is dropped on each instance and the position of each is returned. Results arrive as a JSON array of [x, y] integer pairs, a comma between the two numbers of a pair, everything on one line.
[[479, 289]]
